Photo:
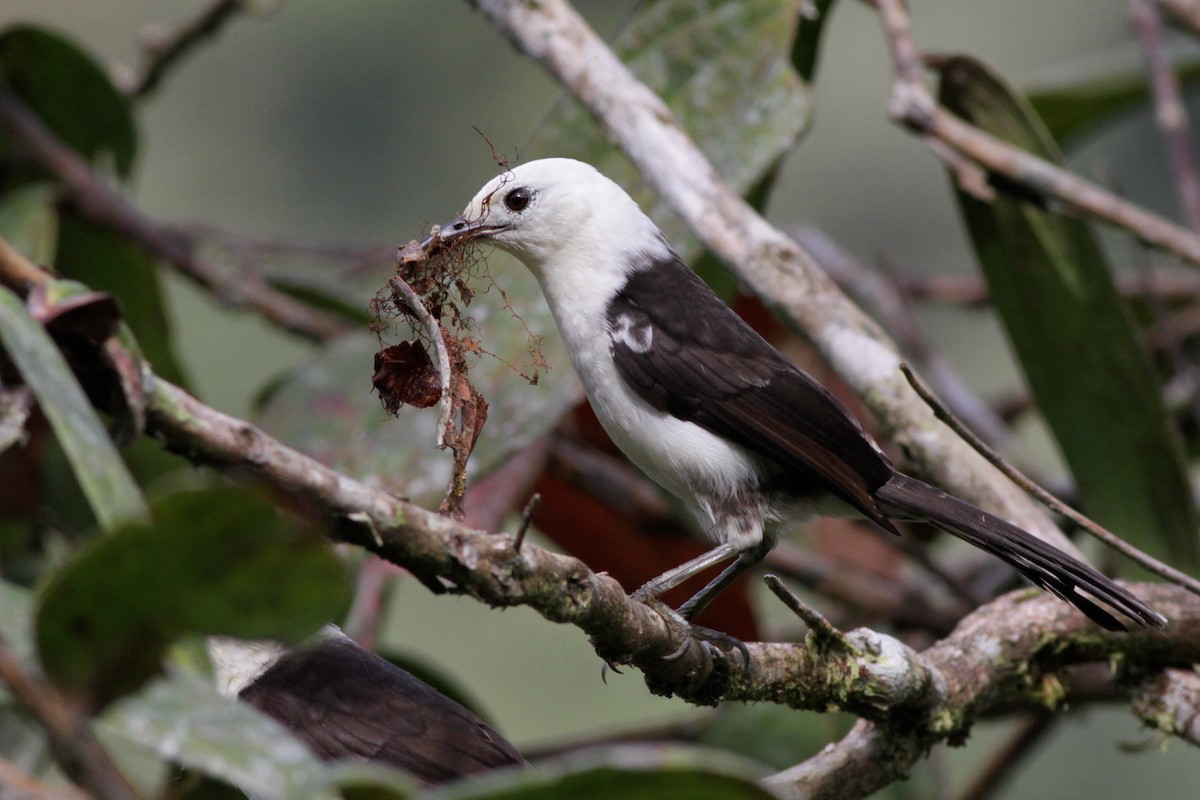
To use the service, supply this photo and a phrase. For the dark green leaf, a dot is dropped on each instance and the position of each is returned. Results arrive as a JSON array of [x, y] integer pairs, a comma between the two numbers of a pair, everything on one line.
[[647, 772], [109, 263], [97, 465], [70, 92], [220, 561], [1072, 334]]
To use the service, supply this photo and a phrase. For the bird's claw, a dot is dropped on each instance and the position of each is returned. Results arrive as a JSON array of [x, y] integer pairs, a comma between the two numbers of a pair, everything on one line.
[[714, 640], [713, 643]]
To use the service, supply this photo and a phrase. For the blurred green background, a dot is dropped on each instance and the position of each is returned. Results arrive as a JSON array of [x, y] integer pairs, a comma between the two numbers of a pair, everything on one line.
[[354, 121]]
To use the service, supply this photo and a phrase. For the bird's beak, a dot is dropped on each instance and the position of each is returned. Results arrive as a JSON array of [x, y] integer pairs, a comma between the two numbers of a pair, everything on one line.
[[460, 228]]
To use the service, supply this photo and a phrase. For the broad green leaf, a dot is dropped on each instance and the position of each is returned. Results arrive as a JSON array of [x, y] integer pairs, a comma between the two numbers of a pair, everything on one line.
[[1069, 112], [1071, 332], [635, 772], [109, 263], [218, 561], [183, 719], [725, 69], [111, 492], [70, 92]]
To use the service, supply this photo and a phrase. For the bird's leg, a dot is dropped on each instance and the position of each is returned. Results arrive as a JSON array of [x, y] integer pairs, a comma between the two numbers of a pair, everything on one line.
[[745, 560], [652, 589]]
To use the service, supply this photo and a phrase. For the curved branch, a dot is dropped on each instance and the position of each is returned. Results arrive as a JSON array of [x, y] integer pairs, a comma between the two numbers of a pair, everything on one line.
[[987, 662]]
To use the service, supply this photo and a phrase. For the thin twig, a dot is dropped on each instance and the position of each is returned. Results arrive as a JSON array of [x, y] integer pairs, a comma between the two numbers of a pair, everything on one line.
[[1184, 12], [531, 508], [407, 298], [97, 202], [1050, 501], [166, 51], [1169, 110], [824, 634], [77, 752], [913, 106], [1172, 286]]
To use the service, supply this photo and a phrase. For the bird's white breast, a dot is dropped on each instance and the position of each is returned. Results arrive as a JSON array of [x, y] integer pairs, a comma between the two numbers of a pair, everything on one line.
[[682, 457]]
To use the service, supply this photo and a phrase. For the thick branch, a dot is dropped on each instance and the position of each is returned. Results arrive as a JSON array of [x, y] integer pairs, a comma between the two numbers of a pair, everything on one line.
[[986, 661], [778, 269], [1170, 702]]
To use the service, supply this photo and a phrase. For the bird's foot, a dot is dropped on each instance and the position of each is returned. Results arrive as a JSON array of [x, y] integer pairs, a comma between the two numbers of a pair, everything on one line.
[[713, 643]]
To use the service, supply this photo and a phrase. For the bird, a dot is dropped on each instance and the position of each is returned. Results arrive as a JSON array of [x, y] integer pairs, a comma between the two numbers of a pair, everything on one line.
[[347, 703], [707, 408]]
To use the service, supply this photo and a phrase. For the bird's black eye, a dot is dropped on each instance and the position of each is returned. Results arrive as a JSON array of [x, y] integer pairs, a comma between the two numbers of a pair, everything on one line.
[[517, 199]]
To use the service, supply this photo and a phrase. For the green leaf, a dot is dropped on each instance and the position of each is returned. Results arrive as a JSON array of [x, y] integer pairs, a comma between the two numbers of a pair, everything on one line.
[[1069, 112], [108, 262], [725, 69], [218, 561], [185, 720], [1072, 334], [646, 772], [70, 92], [111, 492]]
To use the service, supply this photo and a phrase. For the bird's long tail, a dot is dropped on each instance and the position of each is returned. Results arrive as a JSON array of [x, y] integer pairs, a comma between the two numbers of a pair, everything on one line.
[[1042, 563]]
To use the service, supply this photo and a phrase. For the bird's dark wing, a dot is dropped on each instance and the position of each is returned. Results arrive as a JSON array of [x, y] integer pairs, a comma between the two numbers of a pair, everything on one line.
[[687, 353], [345, 702]]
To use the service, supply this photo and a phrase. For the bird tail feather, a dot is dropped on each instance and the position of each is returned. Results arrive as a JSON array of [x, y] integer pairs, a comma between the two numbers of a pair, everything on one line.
[[1042, 563]]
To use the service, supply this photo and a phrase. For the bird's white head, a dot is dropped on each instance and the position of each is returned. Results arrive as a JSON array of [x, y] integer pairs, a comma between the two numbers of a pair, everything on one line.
[[555, 215]]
